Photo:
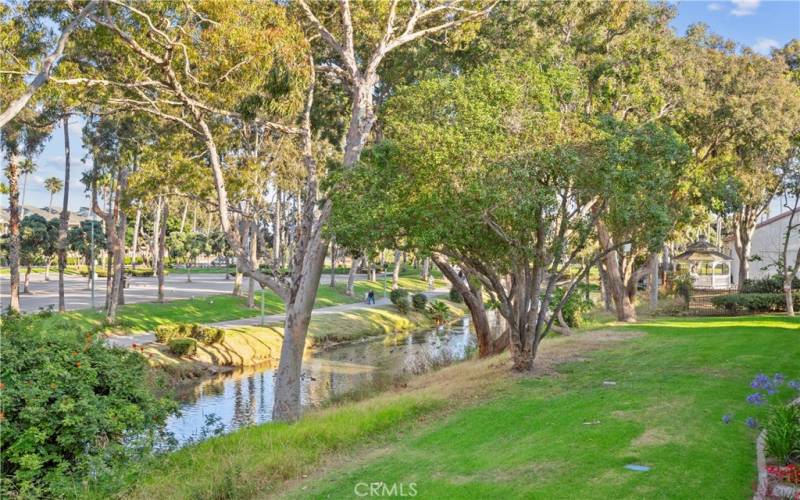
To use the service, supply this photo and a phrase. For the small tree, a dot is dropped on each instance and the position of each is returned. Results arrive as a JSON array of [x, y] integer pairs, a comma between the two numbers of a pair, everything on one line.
[[34, 236], [53, 185]]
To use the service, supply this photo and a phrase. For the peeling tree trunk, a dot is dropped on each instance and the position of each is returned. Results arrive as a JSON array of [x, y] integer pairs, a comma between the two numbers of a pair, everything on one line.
[[614, 275], [26, 285], [351, 278], [48, 261], [161, 251], [474, 300], [13, 225], [137, 221], [118, 248], [426, 268], [298, 315], [251, 291], [333, 263], [396, 270], [183, 216], [154, 245]]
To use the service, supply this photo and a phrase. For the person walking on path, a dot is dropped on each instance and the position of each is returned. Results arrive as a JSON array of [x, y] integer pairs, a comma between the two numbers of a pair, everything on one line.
[[371, 298]]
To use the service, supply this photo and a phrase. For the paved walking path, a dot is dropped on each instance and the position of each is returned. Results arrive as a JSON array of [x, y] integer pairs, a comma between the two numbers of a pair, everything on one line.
[[146, 338]]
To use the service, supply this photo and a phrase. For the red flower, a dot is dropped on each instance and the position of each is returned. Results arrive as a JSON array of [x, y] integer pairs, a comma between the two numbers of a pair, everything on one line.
[[789, 473]]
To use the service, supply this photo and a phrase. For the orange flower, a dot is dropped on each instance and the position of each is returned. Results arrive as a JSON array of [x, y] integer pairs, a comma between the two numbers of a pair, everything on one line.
[[78, 364]]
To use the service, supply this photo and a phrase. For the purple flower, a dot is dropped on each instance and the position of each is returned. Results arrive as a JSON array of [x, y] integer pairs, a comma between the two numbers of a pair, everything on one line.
[[771, 390], [756, 398], [778, 378], [726, 419], [751, 422], [794, 384], [760, 382]]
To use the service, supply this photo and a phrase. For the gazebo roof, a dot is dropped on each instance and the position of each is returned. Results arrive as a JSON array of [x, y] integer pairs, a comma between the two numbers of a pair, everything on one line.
[[702, 250]]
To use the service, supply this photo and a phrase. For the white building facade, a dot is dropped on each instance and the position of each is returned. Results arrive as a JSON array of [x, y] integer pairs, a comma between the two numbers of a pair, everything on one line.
[[767, 247]]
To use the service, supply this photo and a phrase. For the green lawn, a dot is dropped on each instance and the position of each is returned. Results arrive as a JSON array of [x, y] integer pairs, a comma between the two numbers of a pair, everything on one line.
[[144, 317], [672, 388], [527, 437]]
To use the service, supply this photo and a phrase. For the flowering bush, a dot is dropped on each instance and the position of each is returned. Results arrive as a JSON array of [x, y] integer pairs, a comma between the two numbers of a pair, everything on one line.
[[72, 406], [782, 435]]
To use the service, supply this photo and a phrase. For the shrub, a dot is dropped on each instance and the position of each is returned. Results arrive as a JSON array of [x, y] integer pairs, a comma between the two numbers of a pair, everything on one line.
[[208, 334], [438, 312], [399, 297], [769, 284], [455, 296], [574, 308], [782, 440], [205, 334], [73, 408], [182, 347], [683, 286], [737, 303], [165, 333], [419, 301]]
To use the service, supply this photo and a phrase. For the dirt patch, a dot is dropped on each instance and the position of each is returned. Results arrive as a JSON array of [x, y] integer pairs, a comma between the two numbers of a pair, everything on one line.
[[652, 437]]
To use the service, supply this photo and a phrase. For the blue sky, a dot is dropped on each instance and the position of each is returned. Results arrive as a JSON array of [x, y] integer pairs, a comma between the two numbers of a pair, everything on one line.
[[759, 24]]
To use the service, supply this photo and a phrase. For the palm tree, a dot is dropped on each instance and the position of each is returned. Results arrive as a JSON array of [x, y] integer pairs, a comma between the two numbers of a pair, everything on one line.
[[27, 167], [53, 185]]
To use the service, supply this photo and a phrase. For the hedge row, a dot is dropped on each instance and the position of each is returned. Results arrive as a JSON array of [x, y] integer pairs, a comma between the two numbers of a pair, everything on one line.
[[139, 272], [205, 334], [753, 302]]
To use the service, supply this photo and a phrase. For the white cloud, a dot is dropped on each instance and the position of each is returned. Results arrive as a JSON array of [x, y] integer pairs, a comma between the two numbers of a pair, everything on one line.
[[714, 6], [744, 7], [765, 45]]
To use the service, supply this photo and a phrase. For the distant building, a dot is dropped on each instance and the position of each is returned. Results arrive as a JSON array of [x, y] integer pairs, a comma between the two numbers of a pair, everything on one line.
[[74, 218], [767, 246]]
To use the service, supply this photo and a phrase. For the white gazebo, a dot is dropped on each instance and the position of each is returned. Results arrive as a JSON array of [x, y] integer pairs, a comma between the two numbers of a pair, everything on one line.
[[710, 268]]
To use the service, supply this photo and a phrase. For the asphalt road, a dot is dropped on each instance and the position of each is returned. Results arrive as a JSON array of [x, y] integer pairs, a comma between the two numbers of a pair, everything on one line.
[[78, 294]]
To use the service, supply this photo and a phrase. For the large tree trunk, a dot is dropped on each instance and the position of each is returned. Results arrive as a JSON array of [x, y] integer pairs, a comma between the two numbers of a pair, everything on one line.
[[473, 298], [48, 261], [333, 264], [744, 225], [396, 270], [351, 278], [13, 229], [426, 268], [251, 286], [604, 289], [616, 281], [26, 285], [161, 249], [154, 245], [277, 261], [117, 232], [64, 222], [183, 216], [137, 221], [298, 315]]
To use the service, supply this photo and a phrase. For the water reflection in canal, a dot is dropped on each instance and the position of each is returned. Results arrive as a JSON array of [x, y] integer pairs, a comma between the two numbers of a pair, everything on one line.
[[245, 397]]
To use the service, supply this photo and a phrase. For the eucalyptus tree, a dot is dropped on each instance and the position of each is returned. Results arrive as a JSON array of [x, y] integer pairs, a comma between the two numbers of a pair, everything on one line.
[[27, 41], [261, 73]]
